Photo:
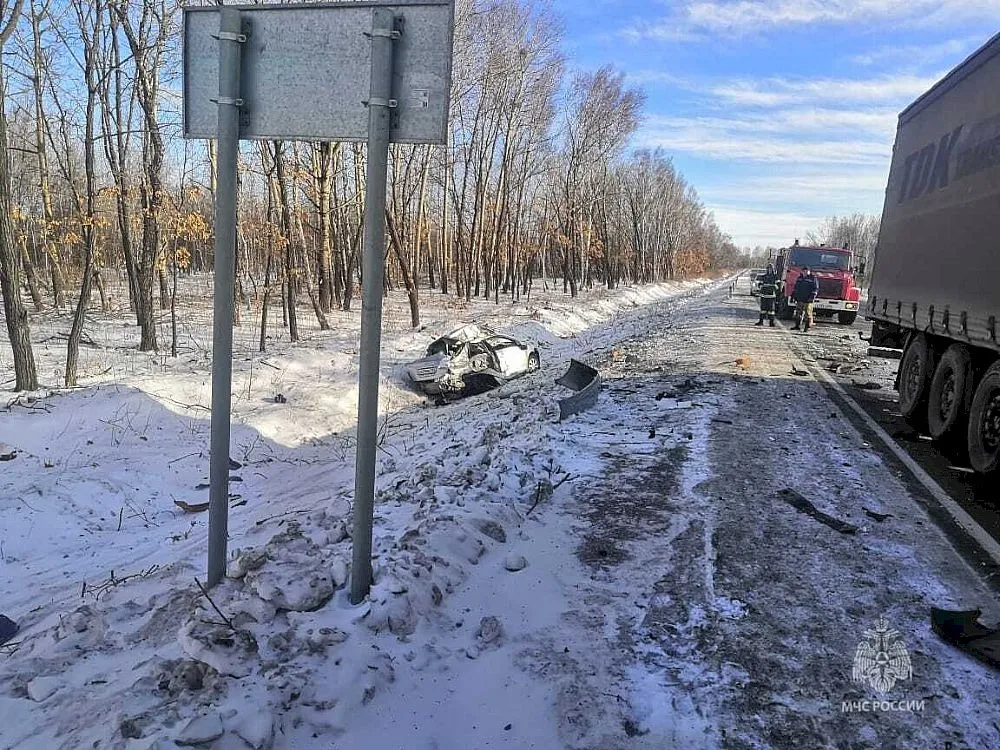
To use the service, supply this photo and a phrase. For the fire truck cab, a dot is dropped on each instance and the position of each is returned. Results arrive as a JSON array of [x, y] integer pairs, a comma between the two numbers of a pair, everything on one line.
[[834, 268]]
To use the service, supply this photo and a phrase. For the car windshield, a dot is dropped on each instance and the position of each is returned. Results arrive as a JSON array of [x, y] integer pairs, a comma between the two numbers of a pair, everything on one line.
[[816, 258]]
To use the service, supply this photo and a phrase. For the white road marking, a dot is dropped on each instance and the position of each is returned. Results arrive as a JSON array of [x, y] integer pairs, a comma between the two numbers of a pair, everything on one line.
[[967, 523]]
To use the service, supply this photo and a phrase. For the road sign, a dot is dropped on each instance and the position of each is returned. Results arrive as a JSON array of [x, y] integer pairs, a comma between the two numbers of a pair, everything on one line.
[[306, 71], [299, 72]]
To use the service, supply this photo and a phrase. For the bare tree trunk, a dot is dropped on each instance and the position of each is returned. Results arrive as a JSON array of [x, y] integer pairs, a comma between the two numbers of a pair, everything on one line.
[[32, 277], [90, 19], [324, 160], [411, 288], [266, 302], [41, 153], [286, 230], [147, 46], [25, 375]]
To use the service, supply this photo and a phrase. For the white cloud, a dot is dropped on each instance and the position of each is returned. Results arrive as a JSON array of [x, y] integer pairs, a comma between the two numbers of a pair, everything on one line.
[[692, 20], [914, 56], [795, 122], [887, 90], [771, 92], [727, 144]]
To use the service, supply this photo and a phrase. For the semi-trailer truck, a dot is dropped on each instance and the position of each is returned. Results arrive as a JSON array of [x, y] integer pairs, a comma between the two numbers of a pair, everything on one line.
[[935, 279]]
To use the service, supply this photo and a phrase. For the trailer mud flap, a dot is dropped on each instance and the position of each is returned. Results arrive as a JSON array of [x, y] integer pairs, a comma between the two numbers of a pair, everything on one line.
[[583, 379]]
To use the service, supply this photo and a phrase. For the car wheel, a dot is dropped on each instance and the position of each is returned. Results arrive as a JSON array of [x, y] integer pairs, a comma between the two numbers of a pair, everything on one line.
[[534, 362], [950, 395], [984, 424], [915, 371]]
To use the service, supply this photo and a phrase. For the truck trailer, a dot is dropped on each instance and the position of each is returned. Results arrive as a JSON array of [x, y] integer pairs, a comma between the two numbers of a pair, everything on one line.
[[935, 279]]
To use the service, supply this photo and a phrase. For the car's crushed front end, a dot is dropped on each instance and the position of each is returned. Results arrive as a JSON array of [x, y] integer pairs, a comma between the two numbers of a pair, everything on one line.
[[440, 374]]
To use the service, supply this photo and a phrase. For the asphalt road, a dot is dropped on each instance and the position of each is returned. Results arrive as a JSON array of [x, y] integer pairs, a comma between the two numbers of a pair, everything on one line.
[[869, 380]]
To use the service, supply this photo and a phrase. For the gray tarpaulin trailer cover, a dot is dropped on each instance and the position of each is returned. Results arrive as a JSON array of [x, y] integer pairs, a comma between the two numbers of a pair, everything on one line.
[[937, 263]]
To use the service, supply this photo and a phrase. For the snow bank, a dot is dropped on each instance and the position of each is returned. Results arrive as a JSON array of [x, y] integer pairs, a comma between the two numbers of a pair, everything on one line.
[[98, 557]]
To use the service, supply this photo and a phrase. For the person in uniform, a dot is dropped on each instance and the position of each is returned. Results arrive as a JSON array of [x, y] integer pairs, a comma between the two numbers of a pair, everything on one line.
[[768, 295], [805, 294]]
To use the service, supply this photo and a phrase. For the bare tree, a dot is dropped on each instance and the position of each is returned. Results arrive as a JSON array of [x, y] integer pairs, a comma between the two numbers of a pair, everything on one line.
[[90, 17], [146, 30], [25, 375]]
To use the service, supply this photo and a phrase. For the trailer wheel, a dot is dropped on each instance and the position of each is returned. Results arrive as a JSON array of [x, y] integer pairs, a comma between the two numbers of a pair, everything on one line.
[[950, 396], [984, 424], [915, 373], [847, 318]]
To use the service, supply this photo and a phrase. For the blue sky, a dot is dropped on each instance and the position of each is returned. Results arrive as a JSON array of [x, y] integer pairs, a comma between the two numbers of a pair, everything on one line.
[[779, 112]]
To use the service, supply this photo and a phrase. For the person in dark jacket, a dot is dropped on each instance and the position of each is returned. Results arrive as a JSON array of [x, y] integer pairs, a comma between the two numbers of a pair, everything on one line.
[[768, 282], [805, 293]]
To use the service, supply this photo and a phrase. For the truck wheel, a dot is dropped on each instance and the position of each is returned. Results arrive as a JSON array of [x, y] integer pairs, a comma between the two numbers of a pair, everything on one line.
[[984, 424], [950, 395], [915, 371], [534, 362], [847, 318]]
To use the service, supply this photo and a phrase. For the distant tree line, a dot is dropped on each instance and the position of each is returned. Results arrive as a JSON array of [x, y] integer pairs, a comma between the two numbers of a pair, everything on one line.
[[101, 198], [857, 232]]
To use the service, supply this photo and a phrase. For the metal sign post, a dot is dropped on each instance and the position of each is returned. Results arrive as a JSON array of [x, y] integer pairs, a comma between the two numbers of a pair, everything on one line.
[[380, 106], [313, 72], [230, 38]]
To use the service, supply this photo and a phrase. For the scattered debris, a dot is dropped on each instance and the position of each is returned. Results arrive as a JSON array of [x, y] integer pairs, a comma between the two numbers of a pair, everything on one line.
[[8, 629], [962, 469], [870, 385], [583, 379], [7, 453], [961, 629], [885, 353], [743, 362], [191, 507], [800, 503], [800, 373], [490, 631], [880, 517]]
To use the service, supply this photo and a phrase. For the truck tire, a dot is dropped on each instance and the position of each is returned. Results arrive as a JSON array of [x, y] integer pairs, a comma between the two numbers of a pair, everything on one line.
[[915, 372], [984, 424], [847, 318], [950, 396]]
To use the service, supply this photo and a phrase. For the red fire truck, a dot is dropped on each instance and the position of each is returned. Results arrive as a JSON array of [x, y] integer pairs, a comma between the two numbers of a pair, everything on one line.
[[833, 266]]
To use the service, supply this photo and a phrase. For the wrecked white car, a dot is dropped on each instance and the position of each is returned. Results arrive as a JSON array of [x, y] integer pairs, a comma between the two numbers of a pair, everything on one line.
[[472, 359]]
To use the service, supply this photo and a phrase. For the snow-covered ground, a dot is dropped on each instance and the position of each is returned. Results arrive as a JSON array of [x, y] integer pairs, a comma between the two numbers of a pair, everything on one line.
[[118, 646], [635, 577]]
